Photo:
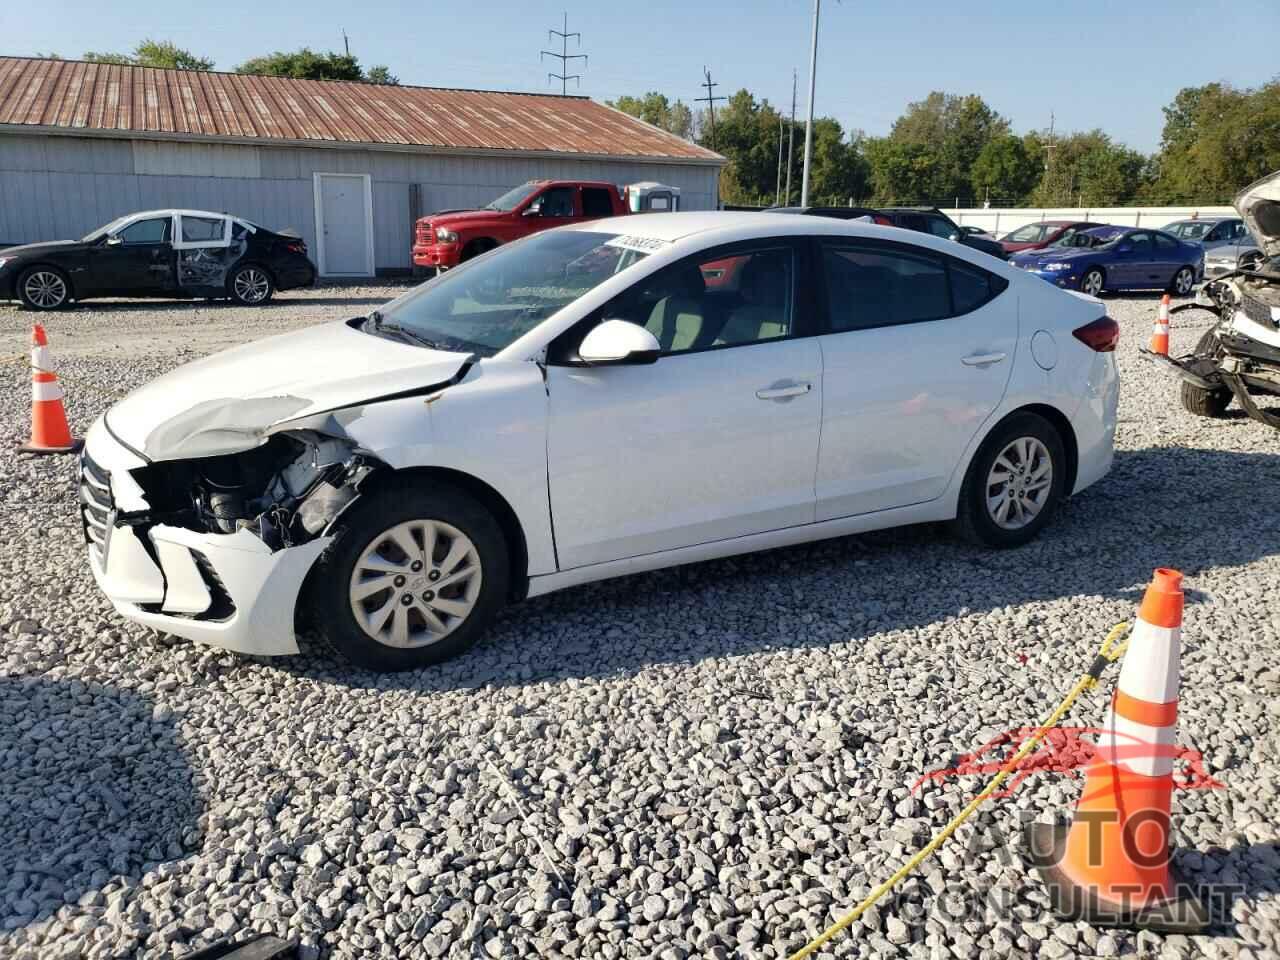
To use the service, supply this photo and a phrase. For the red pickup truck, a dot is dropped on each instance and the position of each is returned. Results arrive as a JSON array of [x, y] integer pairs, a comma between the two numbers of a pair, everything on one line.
[[446, 239]]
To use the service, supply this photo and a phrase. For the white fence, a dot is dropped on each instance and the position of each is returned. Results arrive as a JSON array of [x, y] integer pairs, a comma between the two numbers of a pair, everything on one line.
[[1000, 221]]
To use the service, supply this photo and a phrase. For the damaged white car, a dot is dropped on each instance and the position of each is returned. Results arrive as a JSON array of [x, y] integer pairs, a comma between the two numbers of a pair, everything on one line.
[[1239, 356], [593, 401]]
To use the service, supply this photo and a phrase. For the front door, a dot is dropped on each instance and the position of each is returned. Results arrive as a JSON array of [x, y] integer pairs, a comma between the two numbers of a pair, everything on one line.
[[137, 259], [554, 207], [917, 357], [717, 439], [343, 207]]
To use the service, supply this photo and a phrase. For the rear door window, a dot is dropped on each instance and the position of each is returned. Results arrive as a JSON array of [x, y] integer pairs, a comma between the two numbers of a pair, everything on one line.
[[596, 202]]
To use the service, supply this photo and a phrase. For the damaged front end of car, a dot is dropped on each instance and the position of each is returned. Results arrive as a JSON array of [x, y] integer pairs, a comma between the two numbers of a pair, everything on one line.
[[1239, 356], [217, 548]]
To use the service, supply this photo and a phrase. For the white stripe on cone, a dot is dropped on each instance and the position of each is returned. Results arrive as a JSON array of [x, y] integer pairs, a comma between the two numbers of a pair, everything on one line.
[[1150, 668], [42, 390], [1144, 749], [40, 358]]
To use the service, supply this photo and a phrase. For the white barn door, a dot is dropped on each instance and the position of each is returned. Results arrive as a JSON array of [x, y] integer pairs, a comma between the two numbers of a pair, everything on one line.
[[344, 224]]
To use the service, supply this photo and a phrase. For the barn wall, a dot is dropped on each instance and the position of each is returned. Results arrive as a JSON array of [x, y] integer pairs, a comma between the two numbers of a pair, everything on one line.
[[56, 187]]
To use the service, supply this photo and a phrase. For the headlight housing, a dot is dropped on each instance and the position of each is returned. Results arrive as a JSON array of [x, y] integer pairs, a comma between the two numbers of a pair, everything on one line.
[[4, 260], [1055, 267], [445, 235]]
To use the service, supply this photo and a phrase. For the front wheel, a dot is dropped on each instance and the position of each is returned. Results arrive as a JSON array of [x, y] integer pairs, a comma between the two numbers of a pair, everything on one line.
[[250, 285], [44, 288], [413, 578], [1183, 281], [1013, 484], [1092, 283], [1205, 403]]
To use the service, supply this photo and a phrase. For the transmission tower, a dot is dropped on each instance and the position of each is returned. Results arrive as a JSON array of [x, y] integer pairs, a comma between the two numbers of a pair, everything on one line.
[[710, 100]]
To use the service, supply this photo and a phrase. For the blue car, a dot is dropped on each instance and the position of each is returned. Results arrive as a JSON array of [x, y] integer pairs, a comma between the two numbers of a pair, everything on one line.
[[1118, 258]]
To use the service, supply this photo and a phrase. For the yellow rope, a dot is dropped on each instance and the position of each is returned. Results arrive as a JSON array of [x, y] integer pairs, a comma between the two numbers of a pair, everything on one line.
[[1110, 652]]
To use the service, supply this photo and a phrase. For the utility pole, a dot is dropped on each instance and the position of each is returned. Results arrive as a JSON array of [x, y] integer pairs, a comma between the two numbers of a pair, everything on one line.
[[808, 129], [710, 100], [777, 193], [346, 44], [564, 56], [1049, 147], [791, 136]]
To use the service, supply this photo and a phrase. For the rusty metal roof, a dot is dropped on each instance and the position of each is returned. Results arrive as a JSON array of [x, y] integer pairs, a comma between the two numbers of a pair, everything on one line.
[[113, 100]]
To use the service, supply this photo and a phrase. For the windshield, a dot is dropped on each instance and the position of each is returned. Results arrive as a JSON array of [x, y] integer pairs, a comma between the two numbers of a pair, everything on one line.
[[1031, 233], [1190, 229], [512, 198], [485, 306], [111, 227]]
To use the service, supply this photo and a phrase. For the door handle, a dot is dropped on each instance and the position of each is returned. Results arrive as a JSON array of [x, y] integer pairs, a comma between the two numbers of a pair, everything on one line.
[[784, 391], [981, 359]]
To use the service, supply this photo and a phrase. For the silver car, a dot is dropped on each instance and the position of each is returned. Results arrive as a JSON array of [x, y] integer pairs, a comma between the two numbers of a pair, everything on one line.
[[1226, 240]]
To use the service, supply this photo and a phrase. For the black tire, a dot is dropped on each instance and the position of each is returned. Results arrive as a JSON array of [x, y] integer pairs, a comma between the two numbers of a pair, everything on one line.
[[1184, 277], [1205, 403], [974, 521], [367, 522], [44, 288], [475, 248], [250, 285], [1101, 281]]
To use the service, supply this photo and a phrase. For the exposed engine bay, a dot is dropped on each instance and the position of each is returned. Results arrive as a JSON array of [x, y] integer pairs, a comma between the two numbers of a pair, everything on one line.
[[285, 491]]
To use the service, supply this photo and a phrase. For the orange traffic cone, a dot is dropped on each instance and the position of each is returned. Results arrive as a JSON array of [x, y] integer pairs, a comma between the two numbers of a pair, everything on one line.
[[1111, 867], [49, 430], [1160, 332]]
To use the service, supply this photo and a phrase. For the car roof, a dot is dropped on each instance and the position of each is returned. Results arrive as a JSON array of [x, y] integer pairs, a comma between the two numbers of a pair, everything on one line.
[[1216, 218]]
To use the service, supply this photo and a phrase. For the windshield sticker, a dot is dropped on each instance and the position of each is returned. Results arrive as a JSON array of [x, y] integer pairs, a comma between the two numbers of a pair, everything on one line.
[[638, 244]]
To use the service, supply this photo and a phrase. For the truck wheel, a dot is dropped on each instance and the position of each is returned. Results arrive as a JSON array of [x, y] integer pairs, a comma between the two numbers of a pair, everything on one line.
[[475, 248], [1205, 403]]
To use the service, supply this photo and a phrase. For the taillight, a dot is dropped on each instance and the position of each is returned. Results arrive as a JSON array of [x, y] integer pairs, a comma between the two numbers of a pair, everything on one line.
[[296, 246], [1101, 335], [883, 221]]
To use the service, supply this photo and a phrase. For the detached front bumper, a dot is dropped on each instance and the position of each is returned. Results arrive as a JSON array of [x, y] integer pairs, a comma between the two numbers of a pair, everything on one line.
[[227, 590]]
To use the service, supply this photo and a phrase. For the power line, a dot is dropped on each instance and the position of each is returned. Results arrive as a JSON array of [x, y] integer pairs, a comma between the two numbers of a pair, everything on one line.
[[710, 100], [564, 56]]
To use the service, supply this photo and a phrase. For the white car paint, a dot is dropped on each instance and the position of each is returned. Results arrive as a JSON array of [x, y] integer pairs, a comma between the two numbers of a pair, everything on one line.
[[611, 470]]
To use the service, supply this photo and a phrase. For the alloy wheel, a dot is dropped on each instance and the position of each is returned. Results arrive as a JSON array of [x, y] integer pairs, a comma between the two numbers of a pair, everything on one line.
[[1019, 483], [1183, 282], [45, 289], [415, 583], [1092, 284], [252, 285]]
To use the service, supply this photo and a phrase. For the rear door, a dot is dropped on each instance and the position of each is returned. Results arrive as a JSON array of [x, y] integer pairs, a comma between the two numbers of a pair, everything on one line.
[[1136, 265], [1167, 257], [203, 252], [916, 355], [137, 259], [597, 202]]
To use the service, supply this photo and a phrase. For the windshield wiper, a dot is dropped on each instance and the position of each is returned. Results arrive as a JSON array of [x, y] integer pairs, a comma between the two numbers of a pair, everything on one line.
[[380, 326]]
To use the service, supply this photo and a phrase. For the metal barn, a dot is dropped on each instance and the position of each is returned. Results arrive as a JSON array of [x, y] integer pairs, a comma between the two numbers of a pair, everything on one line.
[[83, 143]]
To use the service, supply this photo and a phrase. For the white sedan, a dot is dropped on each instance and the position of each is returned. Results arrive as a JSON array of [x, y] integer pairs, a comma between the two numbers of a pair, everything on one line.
[[589, 402]]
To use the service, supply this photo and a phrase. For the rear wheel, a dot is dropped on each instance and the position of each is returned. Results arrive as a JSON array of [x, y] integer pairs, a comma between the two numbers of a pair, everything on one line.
[[1092, 282], [1205, 403], [44, 288], [1013, 484], [413, 578], [1183, 281], [250, 285]]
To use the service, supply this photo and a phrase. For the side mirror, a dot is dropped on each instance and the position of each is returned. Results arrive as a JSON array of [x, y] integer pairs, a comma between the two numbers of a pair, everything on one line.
[[113, 240], [618, 342], [953, 236], [533, 210]]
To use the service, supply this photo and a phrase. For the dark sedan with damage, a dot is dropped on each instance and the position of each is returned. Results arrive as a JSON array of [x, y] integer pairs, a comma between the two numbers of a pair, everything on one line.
[[158, 253]]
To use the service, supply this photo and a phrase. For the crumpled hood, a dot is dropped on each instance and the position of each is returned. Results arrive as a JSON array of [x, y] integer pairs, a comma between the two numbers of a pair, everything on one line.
[[227, 402], [1259, 206]]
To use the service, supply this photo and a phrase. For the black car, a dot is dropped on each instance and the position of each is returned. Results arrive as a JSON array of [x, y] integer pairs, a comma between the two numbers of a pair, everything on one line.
[[934, 221], [838, 213], [159, 253]]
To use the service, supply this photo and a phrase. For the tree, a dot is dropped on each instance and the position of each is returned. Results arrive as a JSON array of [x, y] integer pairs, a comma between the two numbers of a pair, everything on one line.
[[902, 172], [1005, 168], [954, 130], [304, 64], [154, 53], [1090, 169], [656, 109], [381, 75]]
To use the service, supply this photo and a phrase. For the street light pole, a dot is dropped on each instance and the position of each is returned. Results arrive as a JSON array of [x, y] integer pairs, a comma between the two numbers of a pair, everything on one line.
[[808, 130]]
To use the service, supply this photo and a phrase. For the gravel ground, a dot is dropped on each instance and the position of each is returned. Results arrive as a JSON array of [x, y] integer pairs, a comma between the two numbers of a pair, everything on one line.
[[712, 761]]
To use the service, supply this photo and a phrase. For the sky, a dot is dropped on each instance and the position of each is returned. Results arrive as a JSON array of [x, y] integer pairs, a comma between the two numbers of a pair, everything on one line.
[[1089, 63]]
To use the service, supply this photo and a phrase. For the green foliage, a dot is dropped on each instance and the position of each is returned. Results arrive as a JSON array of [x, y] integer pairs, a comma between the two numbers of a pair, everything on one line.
[[1217, 139], [304, 64], [381, 75], [1007, 166], [945, 134], [154, 53], [1089, 169], [656, 109]]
